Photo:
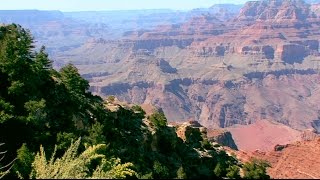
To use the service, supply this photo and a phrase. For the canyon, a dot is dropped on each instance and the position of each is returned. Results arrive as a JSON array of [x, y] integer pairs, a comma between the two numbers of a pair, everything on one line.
[[261, 64], [251, 71]]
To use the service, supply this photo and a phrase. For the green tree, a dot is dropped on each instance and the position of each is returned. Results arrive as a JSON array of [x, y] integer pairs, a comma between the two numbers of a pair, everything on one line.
[[42, 61], [181, 174], [218, 170], [160, 171], [64, 140], [111, 98], [23, 163], [139, 111], [73, 81], [37, 112], [6, 111], [158, 119], [233, 172], [96, 134], [256, 169]]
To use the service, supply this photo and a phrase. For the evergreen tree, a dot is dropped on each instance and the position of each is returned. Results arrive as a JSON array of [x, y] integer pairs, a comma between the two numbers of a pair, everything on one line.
[[256, 169], [22, 165]]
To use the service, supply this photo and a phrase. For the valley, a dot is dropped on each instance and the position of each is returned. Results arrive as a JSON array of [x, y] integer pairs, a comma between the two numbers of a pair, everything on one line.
[[261, 64]]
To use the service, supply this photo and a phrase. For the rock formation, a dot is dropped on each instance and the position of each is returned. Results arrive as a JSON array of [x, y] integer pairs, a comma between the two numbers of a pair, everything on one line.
[[222, 137], [189, 130]]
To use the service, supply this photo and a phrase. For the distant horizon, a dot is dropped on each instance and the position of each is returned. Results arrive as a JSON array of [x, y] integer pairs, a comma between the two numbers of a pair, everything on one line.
[[119, 5]]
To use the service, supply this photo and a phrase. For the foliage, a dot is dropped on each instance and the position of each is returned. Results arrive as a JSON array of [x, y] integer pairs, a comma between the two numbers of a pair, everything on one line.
[[96, 134], [146, 176], [139, 111], [113, 169], [158, 119], [160, 171], [256, 169], [233, 172], [218, 170], [71, 165], [111, 98], [23, 163], [181, 173], [6, 111], [64, 140]]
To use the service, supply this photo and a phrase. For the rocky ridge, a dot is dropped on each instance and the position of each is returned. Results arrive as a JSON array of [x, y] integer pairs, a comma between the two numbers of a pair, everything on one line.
[[222, 137]]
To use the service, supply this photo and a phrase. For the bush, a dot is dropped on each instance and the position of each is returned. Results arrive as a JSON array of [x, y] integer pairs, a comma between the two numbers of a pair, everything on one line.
[[158, 119], [233, 172], [111, 98], [160, 171], [256, 169], [181, 174], [74, 166], [22, 165]]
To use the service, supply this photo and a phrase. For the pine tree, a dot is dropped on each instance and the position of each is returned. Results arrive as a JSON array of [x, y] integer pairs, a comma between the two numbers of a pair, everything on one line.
[[256, 169]]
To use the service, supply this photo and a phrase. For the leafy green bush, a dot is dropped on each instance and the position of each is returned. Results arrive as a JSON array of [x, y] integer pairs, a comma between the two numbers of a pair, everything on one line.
[[256, 169], [23, 163], [72, 165], [160, 171], [181, 173], [111, 98], [158, 119], [233, 172]]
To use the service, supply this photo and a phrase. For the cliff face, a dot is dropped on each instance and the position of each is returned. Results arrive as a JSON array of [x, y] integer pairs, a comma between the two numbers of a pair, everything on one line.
[[296, 160], [275, 10], [222, 137], [269, 29], [191, 132], [315, 8], [216, 104]]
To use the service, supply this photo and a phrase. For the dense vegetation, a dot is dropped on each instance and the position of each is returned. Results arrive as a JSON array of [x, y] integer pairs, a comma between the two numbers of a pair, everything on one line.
[[55, 128]]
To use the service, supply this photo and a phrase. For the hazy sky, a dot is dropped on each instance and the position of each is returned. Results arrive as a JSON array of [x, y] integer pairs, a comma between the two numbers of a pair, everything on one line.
[[82, 5]]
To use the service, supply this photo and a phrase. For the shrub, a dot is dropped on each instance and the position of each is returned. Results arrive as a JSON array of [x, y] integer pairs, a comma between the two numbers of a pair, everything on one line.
[[71, 165], [256, 169]]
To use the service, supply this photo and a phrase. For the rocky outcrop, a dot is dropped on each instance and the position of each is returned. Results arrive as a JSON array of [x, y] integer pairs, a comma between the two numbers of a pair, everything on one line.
[[225, 11], [274, 10], [222, 137], [165, 66], [218, 50], [316, 126], [297, 160], [152, 44], [309, 135], [268, 29], [291, 53], [315, 8], [264, 51], [279, 147], [191, 132]]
